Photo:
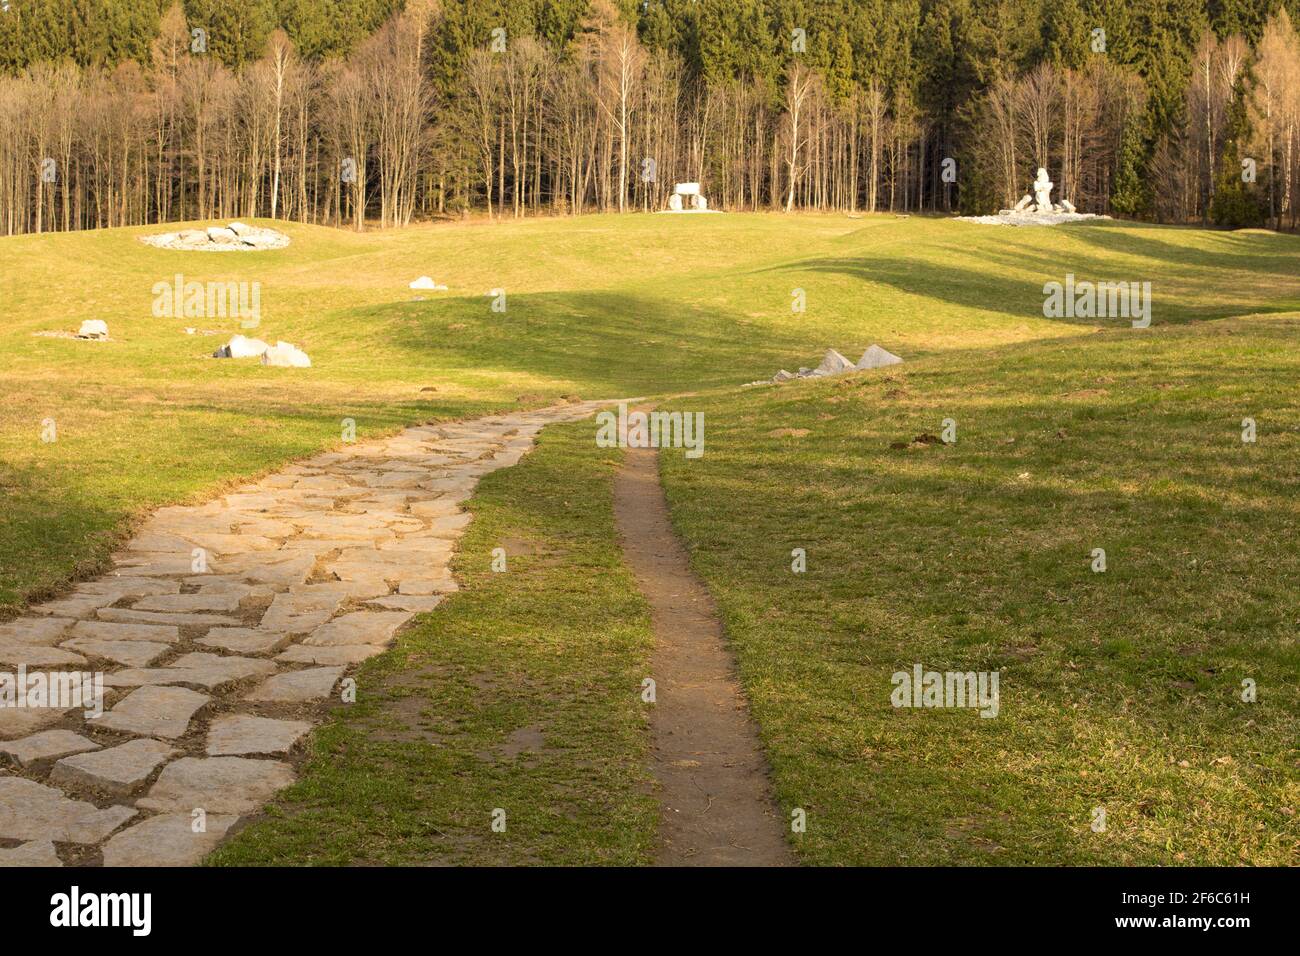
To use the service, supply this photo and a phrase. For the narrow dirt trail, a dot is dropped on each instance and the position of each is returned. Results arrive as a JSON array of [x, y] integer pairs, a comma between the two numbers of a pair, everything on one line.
[[714, 779]]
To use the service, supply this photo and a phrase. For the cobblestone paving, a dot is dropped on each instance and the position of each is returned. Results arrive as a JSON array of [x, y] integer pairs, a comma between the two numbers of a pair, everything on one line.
[[221, 632]]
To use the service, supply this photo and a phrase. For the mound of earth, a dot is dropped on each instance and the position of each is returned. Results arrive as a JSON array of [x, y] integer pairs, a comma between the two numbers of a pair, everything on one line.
[[232, 238]]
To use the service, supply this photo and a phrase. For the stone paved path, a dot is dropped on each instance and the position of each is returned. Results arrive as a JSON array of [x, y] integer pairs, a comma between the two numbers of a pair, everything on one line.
[[212, 679]]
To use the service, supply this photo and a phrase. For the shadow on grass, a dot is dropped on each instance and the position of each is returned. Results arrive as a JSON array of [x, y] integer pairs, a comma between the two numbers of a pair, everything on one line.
[[607, 344], [993, 291]]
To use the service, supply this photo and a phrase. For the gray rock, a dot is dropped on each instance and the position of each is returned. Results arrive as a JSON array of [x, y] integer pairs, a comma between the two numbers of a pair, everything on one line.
[[43, 631], [128, 615], [298, 686], [240, 734], [217, 785], [203, 670], [245, 640], [876, 357], [130, 653], [154, 711], [361, 627], [47, 745], [335, 654], [167, 840], [38, 853], [117, 770], [109, 631], [32, 811], [213, 601], [33, 655], [833, 363]]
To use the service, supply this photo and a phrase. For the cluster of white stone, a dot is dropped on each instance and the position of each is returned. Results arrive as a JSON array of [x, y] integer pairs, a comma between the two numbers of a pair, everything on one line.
[[281, 353], [833, 363], [231, 238]]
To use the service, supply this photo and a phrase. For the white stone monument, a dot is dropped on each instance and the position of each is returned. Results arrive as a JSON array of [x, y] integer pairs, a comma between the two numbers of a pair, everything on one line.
[[1036, 208], [688, 190]]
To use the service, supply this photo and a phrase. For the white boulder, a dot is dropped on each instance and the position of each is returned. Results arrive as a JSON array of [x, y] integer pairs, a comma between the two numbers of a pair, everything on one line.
[[876, 357], [424, 282], [287, 356], [241, 347], [93, 329]]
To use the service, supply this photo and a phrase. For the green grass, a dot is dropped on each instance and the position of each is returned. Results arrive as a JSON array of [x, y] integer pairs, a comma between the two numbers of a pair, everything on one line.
[[600, 306], [1119, 690], [521, 692], [946, 556]]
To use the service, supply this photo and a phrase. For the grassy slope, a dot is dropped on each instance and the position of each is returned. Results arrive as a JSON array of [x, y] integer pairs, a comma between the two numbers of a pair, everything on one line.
[[1119, 690], [598, 306], [521, 692], [609, 306]]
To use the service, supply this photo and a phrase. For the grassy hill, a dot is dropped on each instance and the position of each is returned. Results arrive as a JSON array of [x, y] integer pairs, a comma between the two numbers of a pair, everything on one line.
[[597, 307], [1120, 690]]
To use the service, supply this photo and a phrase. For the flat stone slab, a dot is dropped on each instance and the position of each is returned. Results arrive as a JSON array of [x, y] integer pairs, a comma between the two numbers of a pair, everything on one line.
[[47, 745], [245, 734], [16, 722], [32, 811], [360, 627], [154, 711], [109, 631], [334, 654], [167, 840], [300, 613], [131, 615], [129, 587], [217, 785], [43, 631], [203, 670], [417, 603], [245, 640], [151, 564], [209, 601], [315, 683], [131, 653], [36, 853], [35, 655], [78, 605], [117, 770]]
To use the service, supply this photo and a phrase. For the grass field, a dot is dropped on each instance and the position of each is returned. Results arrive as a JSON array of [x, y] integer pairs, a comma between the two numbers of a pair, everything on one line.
[[1119, 690]]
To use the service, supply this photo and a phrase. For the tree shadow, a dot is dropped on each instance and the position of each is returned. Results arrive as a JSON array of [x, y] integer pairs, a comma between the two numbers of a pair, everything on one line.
[[607, 343]]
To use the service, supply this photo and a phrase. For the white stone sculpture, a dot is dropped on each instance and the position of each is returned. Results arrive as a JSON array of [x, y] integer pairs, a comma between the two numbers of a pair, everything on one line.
[[691, 191], [1042, 191], [1036, 208]]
